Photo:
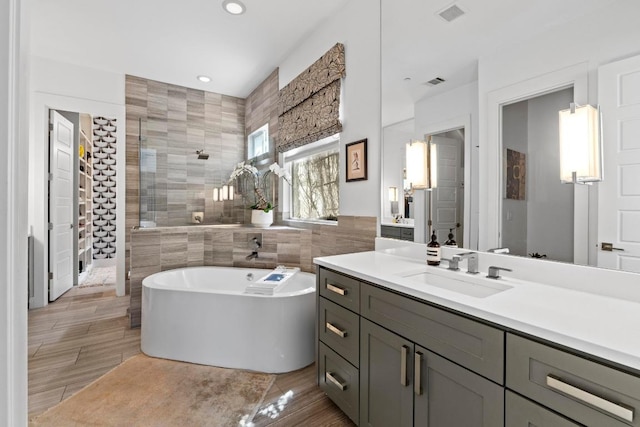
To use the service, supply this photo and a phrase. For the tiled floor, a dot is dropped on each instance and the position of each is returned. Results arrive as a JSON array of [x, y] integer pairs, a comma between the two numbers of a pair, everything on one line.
[[83, 335]]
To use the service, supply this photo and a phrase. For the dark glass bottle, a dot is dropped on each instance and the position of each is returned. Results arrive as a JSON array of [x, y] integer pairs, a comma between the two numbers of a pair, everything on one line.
[[450, 240], [433, 250]]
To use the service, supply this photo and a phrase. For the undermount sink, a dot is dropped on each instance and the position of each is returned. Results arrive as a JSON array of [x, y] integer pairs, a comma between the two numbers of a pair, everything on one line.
[[473, 286]]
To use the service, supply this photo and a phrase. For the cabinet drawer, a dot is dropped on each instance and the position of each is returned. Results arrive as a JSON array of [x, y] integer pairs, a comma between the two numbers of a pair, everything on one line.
[[390, 232], [474, 345], [339, 380], [339, 328], [583, 390], [339, 289], [521, 412], [407, 234]]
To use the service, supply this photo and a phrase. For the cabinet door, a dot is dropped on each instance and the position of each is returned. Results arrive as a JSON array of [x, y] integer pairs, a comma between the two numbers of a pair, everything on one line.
[[449, 395], [386, 374], [521, 412]]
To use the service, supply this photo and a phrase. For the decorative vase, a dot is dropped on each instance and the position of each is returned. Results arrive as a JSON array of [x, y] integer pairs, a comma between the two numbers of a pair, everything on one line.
[[261, 218]]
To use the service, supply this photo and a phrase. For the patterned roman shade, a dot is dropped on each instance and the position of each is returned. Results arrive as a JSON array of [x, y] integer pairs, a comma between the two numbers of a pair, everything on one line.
[[309, 106]]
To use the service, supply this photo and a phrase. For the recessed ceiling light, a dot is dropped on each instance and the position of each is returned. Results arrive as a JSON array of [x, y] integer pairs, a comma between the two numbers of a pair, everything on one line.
[[234, 7], [204, 79]]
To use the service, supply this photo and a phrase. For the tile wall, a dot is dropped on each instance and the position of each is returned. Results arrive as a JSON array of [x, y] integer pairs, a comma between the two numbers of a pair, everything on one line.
[[172, 122]]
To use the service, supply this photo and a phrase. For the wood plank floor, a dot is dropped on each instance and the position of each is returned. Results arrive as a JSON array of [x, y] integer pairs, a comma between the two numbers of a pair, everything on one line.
[[75, 340], [84, 334]]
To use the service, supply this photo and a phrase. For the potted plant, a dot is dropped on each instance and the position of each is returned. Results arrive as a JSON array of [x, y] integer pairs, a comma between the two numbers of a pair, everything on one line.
[[251, 180]]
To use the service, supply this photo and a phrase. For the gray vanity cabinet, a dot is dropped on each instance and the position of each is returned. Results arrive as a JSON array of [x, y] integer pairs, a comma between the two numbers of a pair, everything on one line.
[[403, 384], [393, 232], [388, 359]]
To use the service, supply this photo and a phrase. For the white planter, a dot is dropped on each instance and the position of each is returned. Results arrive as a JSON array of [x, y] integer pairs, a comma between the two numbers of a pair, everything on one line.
[[261, 218]]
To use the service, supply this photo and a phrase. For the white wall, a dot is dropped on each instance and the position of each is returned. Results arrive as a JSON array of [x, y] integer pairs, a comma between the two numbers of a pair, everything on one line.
[[14, 45], [515, 119], [549, 202], [593, 39], [357, 26], [446, 111], [394, 139], [63, 86]]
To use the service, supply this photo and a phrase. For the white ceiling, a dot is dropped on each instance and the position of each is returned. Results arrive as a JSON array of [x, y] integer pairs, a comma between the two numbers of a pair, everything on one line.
[[418, 44], [174, 41]]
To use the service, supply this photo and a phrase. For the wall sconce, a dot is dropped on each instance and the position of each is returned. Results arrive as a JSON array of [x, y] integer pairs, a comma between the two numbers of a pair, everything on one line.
[[393, 199], [224, 193], [422, 165], [580, 145]]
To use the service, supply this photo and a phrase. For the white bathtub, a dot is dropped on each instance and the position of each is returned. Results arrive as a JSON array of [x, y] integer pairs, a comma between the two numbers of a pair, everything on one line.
[[202, 315]]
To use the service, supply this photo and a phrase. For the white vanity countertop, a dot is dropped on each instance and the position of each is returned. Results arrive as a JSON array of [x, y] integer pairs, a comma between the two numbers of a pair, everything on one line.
[[606, 327]]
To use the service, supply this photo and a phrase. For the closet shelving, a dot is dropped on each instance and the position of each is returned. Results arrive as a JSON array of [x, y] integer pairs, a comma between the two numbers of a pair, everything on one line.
[[85, 184]]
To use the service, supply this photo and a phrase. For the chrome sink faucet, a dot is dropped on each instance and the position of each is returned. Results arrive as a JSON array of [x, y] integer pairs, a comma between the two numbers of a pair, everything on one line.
[[453, 262], [472, 261], [494, 272]]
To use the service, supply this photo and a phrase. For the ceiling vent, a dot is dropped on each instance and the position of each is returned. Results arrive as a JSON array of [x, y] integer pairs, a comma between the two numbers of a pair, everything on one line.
[[451, 12], [435, 81]]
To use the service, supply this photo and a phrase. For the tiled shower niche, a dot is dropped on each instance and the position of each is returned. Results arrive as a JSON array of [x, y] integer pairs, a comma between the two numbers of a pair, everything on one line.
[[104, 188]]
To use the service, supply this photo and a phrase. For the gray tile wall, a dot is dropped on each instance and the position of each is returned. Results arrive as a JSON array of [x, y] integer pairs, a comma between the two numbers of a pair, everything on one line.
[[262, 107], [175, 122]]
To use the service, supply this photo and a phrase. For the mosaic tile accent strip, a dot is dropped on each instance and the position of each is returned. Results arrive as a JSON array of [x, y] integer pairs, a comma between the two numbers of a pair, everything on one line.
[[104, 187]]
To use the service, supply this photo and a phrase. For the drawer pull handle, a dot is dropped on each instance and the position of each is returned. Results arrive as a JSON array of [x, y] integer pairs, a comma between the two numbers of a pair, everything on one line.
[[403, 365], [593, 400], [338, 332], [329, 377], [417, 386], [336, 289]]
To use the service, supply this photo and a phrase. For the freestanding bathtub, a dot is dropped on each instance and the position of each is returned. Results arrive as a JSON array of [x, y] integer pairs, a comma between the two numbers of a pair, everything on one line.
[[202, 315]]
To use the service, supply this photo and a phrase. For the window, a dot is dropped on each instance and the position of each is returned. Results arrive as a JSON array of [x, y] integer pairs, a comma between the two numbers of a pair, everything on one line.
[[258, 142], [315, 184]]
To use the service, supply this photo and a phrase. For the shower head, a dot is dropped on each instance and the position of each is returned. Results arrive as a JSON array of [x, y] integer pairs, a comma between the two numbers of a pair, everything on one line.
[[202, 155]]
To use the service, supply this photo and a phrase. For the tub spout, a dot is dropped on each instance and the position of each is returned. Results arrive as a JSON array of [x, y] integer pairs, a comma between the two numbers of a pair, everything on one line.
[[253, 255]]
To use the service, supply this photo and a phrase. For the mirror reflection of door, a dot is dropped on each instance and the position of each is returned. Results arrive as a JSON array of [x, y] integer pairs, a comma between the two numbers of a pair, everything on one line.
[[447, 199], [619, 192], [538, 216]]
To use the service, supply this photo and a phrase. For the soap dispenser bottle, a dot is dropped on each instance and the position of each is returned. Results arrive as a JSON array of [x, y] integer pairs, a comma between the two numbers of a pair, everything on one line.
[[433, 250], [450, 240]]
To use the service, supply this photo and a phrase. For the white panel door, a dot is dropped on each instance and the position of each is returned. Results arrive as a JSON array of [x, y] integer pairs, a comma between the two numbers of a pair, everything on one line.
[[61, 190], [619, 193], [447, 197]]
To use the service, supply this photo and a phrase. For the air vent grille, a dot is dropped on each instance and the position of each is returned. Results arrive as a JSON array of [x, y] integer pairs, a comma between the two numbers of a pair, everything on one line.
[[451, 12], [435, 81]]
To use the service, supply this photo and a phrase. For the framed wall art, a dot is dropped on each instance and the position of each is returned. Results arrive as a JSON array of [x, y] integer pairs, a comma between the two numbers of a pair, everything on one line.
[[356, 161]]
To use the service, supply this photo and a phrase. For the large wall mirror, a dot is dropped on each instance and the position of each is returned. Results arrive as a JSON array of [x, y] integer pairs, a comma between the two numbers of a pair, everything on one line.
[[502, 78]]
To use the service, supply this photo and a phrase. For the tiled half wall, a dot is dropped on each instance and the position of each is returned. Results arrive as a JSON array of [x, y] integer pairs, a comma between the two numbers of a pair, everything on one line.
[[165, 248]]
